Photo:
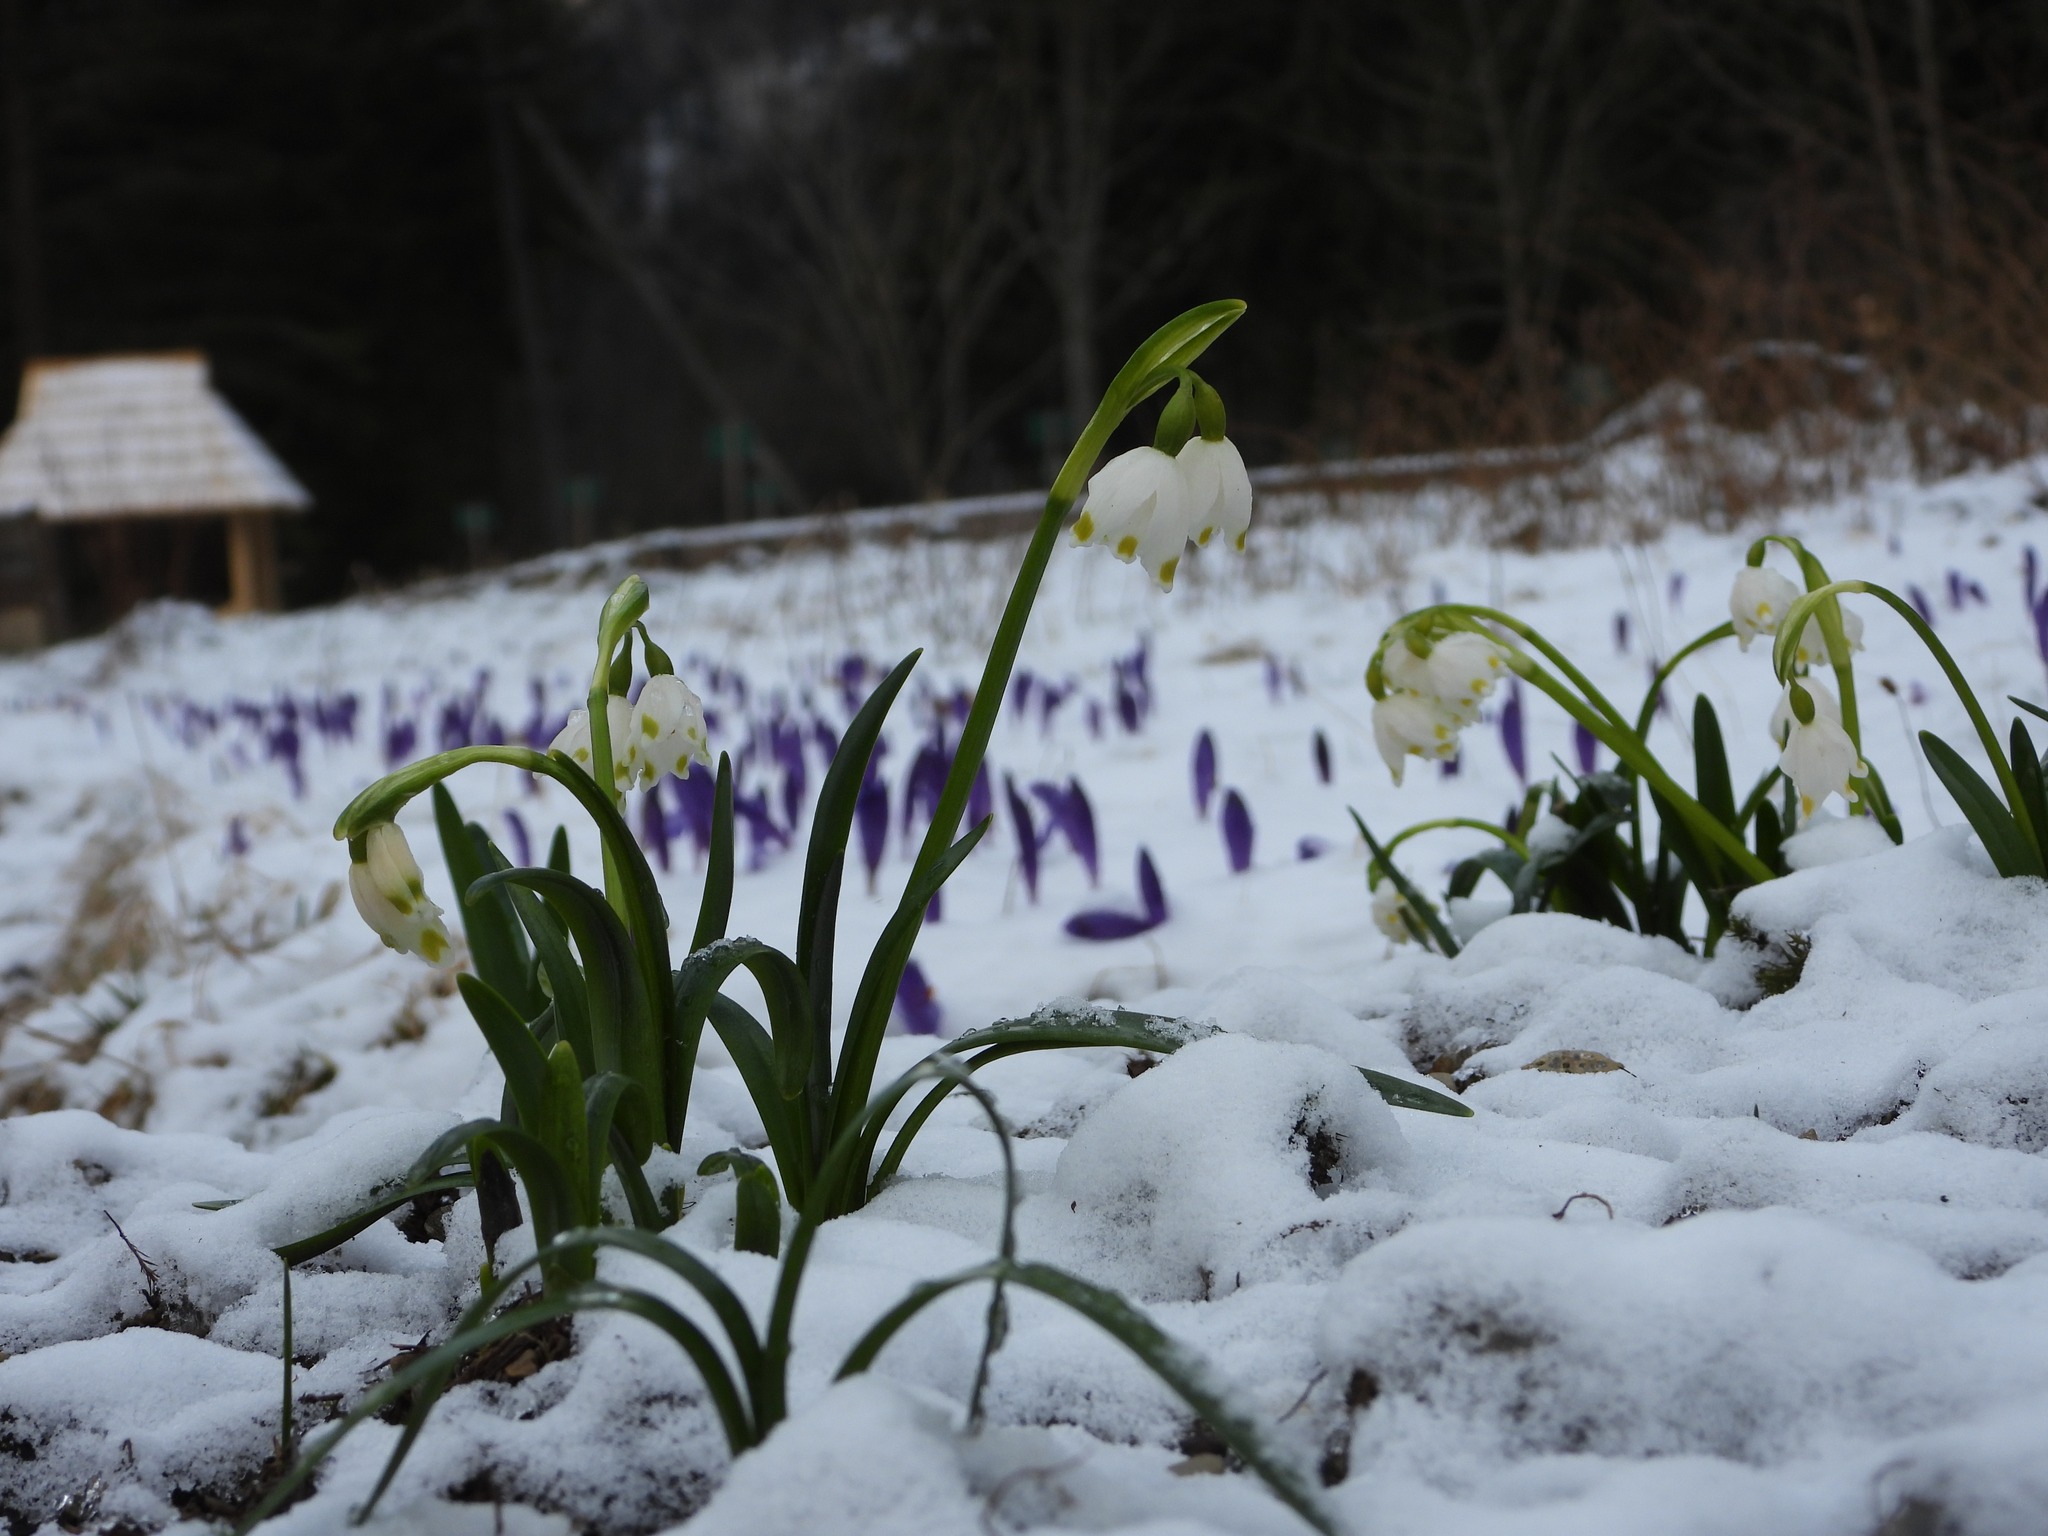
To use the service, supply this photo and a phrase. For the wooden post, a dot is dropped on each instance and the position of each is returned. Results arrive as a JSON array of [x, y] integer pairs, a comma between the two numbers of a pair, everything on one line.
[[252, 563]]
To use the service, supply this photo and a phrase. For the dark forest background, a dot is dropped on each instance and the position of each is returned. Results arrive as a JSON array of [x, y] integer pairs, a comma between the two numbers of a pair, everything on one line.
[[495, 275]]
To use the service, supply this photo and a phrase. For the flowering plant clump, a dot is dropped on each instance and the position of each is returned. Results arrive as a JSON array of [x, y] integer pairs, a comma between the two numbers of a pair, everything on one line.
[[596, 1026], [1588, 853]]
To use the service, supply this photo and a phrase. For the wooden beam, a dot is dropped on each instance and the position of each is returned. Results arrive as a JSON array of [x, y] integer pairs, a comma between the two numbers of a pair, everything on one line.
[[253, 585]]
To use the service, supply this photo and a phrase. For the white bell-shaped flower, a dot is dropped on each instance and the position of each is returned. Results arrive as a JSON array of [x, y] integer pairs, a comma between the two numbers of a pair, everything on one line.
[[1757, 604], [1818, 757], [1813, 645], [1388, 907], [1219, 491], [1408, 725], [1463, 669], [1825, 706], [573, 741], [1138, 507], [667, 731], [391, 895]]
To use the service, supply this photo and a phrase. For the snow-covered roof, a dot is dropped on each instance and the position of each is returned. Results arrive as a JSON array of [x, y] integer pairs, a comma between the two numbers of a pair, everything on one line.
[[134, 435]]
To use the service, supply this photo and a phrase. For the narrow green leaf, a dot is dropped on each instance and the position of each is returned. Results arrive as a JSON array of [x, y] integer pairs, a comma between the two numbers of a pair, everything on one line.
[[714, 911], [569, 997], [757, 1215], [367, 1216], [558, 852], [753, 1056], [497, 947], [1171, 1361], [1982, 808], [1710, 764], [2026, 773], [613, 1102], [518, 1054], [1422, 911], [831, 825], [1402, 1094], [2033, 709]]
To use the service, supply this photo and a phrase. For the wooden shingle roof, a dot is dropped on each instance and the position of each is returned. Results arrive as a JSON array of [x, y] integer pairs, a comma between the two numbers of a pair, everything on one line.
[[134, 435]]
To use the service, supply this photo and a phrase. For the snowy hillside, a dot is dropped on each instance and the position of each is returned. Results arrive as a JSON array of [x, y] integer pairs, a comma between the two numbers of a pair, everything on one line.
[[1810, 1294]]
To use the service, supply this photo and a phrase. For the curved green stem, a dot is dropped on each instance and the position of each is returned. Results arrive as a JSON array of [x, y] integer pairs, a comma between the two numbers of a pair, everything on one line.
[[1629, 747], [1535, 639], [1663, 674], [1520, 848], [1784, 653]]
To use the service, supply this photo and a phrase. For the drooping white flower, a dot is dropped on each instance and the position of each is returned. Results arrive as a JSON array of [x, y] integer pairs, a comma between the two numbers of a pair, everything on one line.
[[1138, 507], [1825, 706], [1813, 645], [573, 740], [1819, 758], [391, 895], [1219, 491], [666, 732], [1757, 604], [1388, 905], [1408, 725], [1463, 669]]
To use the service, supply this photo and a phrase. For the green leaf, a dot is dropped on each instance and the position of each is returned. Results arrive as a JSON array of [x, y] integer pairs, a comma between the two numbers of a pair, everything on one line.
[[558, 851], [2033, 709], [1402, 1094], [753, 1056], [700, 978], [622, 1019], [2026, 773], [497, 947], [1503, 862], [757, 1215], [613, 1104], [364, 1217], [1173, 1362], [518, 1054], [1710, 764], [570, 998], [1982, 808], [714, 911], [876, 995], [1418, 910], [825, 858]]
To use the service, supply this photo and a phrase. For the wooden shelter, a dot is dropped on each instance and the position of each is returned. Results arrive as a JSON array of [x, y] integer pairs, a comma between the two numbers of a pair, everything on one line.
[[127, 477]]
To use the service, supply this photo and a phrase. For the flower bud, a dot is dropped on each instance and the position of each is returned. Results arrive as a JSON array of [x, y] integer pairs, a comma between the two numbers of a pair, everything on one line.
[[391, 895]]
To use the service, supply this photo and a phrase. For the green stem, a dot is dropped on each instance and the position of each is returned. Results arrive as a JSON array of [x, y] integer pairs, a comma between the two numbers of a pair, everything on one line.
[[1784, 652], [1663, 674], [1625, 745], [1549, 652], [1520, 848]]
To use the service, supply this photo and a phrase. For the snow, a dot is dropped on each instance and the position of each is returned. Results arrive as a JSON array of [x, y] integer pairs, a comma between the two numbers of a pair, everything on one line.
[[1783, 1267]]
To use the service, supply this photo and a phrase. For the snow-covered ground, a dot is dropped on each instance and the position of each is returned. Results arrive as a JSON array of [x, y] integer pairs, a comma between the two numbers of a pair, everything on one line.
[[1811, 1296]]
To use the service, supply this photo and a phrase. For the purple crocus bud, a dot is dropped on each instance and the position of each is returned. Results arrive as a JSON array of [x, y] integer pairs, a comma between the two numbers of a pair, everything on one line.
[[871, 820], [1920, 603], [764, 838], [1050, 698], [1276, 677], [1447, 768], [916, 1005], [1955, 589], [981, 796], [522, 845], [1511, 737], [1587, 745], [1027, 836], [2030, 569], [1675, 589], [1237, 832], [1321, 747], [1081, 830], [1020, 695], [238, 838], [1151, 895], [696, 804], [1094, 720], [1311, 848], [1621, 634], [1974, 590], [1205, 772], [654, 828], [826, 738], [1105, 923], [1128, 709], [925, 783]]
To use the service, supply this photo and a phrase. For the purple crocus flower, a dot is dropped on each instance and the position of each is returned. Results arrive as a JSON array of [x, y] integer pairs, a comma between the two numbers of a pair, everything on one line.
[[1205, 772], [871, 820], [696, 804], [1105, 923], [916, 1004], [1511, 738], [1067, 810], [1027, 836], [1321, 749], [238, 838], [1050, 697], [1311, 848], [1675, 589], [1587, 746], [981, 796], [522, 845], [1448, 768], [401, 736], [925, 783], [1276, 677], [1020, 695], [1621, 634], [1920, 603], [1237, 832], [654, 827], [1128, 709], [764, 837], [1094, 720]]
